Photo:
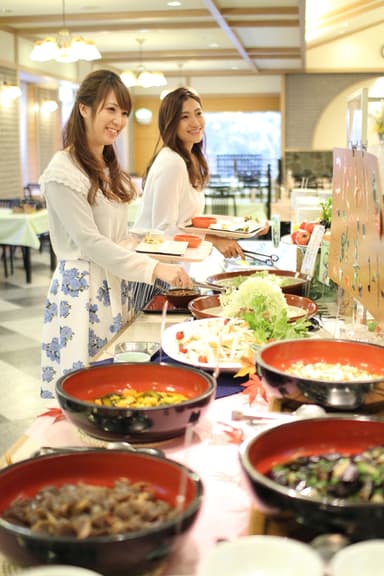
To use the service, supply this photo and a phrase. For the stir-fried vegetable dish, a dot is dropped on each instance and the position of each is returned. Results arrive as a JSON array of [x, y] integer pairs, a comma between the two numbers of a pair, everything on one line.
[[355, 478], [83, 510], [130, 398]]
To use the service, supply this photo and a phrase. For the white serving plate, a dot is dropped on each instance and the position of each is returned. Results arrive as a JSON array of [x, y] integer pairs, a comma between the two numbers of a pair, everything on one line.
[[201, 332]]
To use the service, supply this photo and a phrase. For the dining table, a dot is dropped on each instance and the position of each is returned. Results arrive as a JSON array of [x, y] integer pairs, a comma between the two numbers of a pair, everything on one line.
[[211, 448], [24, 229]]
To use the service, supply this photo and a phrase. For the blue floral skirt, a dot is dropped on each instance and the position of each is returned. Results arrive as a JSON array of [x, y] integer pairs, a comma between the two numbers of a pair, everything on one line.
[[84, 310]]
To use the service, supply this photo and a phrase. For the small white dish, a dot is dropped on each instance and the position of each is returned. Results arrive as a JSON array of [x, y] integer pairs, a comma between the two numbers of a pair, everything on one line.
[[264, 555], [132, 356], [361, 559], [135, 351]]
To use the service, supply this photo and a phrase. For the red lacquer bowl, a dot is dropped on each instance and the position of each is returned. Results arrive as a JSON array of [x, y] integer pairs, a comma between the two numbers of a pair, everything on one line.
[[275, 359], [206, 306], [310, 437], [77, 391], [135, 552], [203, 221], [291, 282], [193, 240]]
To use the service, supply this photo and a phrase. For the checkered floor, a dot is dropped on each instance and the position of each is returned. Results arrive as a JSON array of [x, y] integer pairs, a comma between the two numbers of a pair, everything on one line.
[[21, 313]]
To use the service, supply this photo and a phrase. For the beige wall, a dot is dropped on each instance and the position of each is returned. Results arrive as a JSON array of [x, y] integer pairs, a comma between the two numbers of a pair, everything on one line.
[[145, 137]]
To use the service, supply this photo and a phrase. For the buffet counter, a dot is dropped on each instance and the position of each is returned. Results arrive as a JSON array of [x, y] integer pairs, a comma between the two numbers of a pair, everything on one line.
[[210, 447]]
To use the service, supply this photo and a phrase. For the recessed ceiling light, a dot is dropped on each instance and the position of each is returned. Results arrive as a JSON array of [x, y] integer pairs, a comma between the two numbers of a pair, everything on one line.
[[174, 4], [213, 45]]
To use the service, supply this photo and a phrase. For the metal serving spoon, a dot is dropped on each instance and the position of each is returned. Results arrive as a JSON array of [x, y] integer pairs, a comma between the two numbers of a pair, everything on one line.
[[109, 446]]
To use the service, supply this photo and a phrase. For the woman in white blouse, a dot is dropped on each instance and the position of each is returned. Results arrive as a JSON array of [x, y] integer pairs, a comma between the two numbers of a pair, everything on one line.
[[175, 178], [87, 195]]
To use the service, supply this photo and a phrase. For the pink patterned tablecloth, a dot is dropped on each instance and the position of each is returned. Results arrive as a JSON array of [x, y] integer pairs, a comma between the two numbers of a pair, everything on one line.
[[228, 500]]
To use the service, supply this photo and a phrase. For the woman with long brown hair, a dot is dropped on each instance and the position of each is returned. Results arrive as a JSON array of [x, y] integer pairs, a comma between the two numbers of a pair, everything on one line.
[[177, 174], [87, 195]]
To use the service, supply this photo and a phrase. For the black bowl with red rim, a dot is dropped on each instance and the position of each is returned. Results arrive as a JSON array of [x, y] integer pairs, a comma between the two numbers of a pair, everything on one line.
[[339, 435], [77, 391], [135, 552], [317, 356]]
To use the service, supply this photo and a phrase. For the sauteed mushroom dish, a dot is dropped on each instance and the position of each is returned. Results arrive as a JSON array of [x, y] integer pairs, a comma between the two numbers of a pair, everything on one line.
[[84, 510]]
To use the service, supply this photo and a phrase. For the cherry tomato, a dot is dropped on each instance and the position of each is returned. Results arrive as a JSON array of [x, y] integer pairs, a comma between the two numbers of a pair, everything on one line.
[[179, 335]]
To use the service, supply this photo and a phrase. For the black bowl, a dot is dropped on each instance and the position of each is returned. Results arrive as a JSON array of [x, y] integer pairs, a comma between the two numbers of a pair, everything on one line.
[[126, 553], [180, 297], [76, 393], [314, 436], [273, 360], [292, 282]]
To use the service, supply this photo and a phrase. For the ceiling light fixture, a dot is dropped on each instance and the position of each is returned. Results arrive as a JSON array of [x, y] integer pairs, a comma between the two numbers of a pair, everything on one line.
[[141, 76], [10, 91], [64, 47]]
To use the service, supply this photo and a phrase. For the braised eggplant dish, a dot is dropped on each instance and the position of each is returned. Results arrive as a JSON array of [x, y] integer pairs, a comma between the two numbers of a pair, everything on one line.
[[354, 478]]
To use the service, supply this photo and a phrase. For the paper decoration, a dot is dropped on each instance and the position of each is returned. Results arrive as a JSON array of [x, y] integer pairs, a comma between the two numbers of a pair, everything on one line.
[[356, 257]]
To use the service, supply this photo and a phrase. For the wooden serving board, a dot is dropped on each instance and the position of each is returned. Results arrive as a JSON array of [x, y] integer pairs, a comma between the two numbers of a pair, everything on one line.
[[281, 524]]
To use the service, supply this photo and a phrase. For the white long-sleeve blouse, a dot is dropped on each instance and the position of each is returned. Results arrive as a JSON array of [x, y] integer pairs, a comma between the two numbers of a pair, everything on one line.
[[80, 231], [169, 200]]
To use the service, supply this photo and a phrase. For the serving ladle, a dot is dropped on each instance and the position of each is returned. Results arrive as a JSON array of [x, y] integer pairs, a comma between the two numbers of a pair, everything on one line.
[[109, 446]]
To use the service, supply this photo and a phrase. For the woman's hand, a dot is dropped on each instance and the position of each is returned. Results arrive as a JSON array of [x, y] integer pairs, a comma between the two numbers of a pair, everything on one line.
[[229, 248], [173, 275]]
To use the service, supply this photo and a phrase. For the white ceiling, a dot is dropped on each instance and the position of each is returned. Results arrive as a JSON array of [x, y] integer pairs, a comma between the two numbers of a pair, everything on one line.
[[207, 40]]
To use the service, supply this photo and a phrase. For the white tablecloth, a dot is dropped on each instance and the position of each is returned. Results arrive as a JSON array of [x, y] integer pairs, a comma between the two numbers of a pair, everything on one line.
[[20, 229]]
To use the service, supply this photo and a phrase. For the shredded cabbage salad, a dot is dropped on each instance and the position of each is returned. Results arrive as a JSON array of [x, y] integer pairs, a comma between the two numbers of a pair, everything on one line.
[[261, 303]]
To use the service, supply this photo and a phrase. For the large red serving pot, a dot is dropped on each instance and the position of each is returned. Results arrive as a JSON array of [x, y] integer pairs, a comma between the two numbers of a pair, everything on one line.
[[274, 359], [76, 393], [313, 436], [127, 553]]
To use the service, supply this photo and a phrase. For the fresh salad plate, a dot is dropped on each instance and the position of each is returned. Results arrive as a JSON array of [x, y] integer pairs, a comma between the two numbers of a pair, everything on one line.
[[209, 343], [230, 226]]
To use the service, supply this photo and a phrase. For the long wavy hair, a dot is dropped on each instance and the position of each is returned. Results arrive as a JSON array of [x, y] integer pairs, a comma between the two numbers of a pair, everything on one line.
[[169, 116], [93, 92]]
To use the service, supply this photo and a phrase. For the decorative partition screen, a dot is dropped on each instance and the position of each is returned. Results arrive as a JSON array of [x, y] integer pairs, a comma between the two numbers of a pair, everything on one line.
[[356, 258]]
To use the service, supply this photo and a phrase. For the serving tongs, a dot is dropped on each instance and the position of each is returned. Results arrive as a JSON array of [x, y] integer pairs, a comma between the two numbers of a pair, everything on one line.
[[268, 259], [209, 286]]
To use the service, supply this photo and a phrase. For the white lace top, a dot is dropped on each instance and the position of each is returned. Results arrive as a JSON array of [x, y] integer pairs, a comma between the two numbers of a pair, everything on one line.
[[80, 231]]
